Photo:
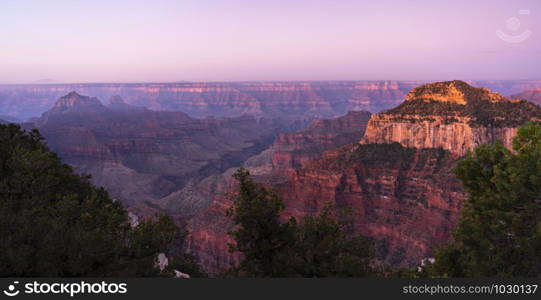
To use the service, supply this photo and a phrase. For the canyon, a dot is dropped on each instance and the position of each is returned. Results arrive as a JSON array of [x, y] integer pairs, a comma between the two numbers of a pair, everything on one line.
[[289, 100], [209, 227], [291, 151], [401, 187], [140, 155], [163, 161], [399, 178], [297, 100], [390, 161]]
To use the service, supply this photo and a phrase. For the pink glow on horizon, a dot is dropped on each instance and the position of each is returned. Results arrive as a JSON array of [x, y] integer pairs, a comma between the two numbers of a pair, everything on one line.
[[204, 40]]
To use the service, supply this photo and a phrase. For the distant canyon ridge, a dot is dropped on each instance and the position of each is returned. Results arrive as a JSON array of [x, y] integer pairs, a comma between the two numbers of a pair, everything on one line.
[[293, 100]]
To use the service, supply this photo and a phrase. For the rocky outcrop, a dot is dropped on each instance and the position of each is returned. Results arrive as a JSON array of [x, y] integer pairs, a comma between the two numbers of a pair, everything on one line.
[[75, 102], [72, 105], [451, 115]]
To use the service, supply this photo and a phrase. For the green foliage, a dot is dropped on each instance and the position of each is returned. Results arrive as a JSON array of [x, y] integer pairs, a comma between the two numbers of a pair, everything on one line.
[[323, 248], [260, 236], [55, 223], [392, 155], [499, 233], [318, 246], [145, 241]]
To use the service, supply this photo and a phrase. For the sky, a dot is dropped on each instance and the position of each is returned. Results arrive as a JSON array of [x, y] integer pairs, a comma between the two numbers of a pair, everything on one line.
[[268, 40]]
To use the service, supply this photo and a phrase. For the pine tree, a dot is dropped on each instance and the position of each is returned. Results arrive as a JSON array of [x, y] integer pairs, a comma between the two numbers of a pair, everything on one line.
[[317, 246], [499, 232], [263, 240]]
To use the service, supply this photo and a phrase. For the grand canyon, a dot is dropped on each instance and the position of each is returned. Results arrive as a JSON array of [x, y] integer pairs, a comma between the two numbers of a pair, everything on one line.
[[363, 139], [383, 149]]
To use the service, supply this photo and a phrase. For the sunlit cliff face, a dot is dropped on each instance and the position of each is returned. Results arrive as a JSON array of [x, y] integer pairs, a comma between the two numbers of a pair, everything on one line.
[[452, 115]]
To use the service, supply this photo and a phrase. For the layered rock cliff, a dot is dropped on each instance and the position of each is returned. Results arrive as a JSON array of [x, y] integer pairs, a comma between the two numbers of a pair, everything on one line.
[[406, 199], [455, 135], [451, 115]]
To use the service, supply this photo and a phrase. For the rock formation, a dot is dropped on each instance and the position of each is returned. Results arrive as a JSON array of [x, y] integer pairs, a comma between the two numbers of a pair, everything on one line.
[[451, 115]]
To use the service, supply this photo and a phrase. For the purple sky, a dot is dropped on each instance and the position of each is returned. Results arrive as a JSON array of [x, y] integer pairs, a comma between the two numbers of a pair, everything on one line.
[[220, 40]]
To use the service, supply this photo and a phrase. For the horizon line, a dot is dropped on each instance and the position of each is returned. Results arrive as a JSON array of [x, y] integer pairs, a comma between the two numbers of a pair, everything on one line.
[[256, 81]]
